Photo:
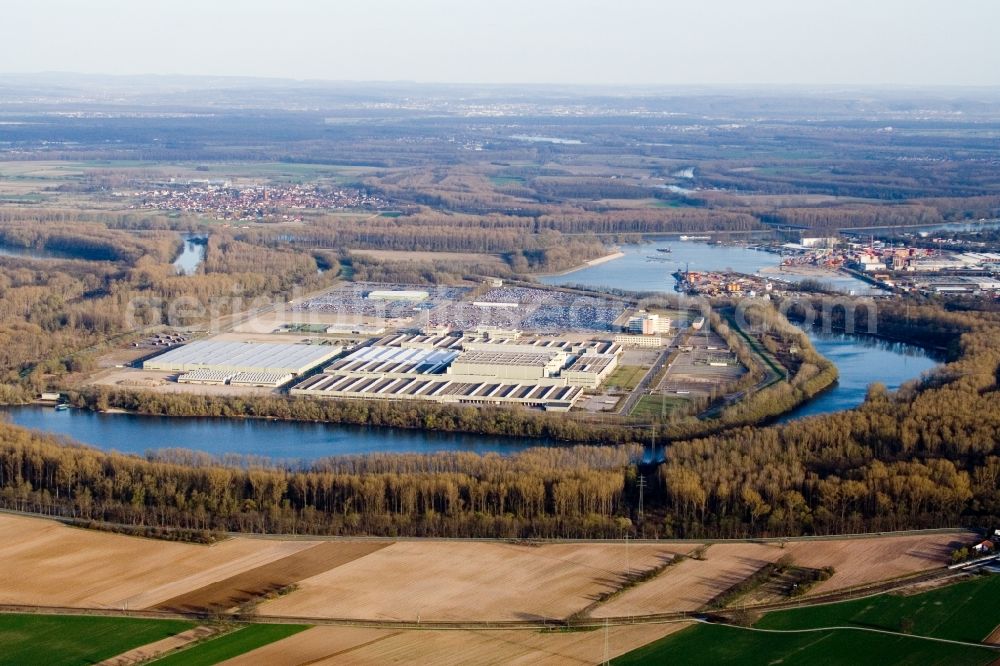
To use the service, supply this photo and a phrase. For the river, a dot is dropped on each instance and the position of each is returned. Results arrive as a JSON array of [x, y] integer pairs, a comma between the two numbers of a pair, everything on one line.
[[33, 253], [861, 360], [279, 440], [643, 268]]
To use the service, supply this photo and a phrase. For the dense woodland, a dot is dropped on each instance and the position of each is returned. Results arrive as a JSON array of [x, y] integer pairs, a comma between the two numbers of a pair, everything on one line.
[[926, 456], [56, 314]]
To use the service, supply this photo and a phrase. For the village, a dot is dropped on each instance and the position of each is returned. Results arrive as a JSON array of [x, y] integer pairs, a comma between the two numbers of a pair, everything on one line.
[[224, 200]]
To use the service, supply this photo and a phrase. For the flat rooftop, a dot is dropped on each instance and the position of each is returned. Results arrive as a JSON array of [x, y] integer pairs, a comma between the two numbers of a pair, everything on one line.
[[381, 359], [249, 356], [590, 363], [484, 357]]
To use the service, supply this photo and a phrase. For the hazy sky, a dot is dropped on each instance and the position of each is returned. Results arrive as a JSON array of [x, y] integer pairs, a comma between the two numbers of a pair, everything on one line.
[[912, 42]]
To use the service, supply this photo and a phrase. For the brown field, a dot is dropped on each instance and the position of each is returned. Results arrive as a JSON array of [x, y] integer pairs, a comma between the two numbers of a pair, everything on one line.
[[348, 645], [271, 577], [436, 580], [691, 584], [861, 561], [65, 566], [145, 653], [415, 580]]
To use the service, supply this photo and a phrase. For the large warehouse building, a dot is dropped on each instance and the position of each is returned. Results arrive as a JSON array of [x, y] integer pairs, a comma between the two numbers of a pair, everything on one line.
[[549, 374], [219, 356]]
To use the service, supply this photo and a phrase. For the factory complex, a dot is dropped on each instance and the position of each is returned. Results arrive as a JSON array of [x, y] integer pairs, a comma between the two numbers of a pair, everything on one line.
[[437, 349], [241, 363], [550, 374]]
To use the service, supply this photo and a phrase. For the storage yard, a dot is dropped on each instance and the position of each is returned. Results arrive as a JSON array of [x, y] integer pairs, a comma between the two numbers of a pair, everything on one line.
[[380, 303], [535, 310], [700, 368]]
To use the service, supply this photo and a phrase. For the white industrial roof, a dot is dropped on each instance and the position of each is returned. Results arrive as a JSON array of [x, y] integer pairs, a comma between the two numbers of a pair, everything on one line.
[[248, 355], [401, 294], [402, 354]]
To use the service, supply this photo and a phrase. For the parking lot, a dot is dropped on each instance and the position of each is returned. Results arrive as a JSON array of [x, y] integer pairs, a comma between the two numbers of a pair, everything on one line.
[[703, 370], [536, 310]]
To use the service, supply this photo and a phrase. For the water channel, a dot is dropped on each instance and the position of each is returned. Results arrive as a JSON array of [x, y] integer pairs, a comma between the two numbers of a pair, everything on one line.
[[645, 268], [860, 360], [191, 256]]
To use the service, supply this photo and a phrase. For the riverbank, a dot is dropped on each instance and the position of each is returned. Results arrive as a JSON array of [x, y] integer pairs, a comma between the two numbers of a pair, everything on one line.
[[587, 264]]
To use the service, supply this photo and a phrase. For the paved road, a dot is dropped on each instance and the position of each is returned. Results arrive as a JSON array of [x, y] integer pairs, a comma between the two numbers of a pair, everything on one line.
[[642, 387]]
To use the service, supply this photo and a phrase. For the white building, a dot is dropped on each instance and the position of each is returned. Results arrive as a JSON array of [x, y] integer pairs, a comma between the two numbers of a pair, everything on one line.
[[644, 323], [397, 295]]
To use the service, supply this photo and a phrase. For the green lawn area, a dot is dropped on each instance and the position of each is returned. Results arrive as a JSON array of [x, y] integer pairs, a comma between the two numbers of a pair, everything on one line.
[[230, 645], [652, 406], [626, 376], [76, 639], [500, 181], [966, 611], [713, 644]]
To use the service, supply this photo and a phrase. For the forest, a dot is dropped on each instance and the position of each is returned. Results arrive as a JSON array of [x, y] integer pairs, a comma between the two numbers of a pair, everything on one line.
[[925, 456], [460, 180]]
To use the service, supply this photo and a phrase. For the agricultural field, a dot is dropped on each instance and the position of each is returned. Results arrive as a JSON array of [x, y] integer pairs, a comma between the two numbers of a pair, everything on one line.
[[711, 645], [693, 583], [332, 645], [229, 645], [379, 579], [271, 578], [66, 566], [469, 581], [65, 639], [963, 612]]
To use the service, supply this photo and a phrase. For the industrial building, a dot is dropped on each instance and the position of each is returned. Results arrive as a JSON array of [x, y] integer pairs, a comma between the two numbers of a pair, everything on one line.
[[413, 295], [509, 364], [440, 389], [644, 323], [542, 373], [221, 377], [590, 370], [630, 340], [235, 357], [387, 361]]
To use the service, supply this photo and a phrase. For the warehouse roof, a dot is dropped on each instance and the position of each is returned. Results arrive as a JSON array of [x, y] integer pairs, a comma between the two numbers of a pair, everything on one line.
[[483, 357], [247, 355], [382, 359], [590, 363]]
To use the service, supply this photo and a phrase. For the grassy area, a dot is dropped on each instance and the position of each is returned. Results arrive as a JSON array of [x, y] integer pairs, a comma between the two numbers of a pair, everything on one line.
[[715, 644], [653, 406], [500, 181], [964, 611], [626, 377], [72, 639], [230, 645]]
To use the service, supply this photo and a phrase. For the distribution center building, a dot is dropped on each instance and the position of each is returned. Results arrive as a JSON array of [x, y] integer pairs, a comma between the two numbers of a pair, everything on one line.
[[278, 359]]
